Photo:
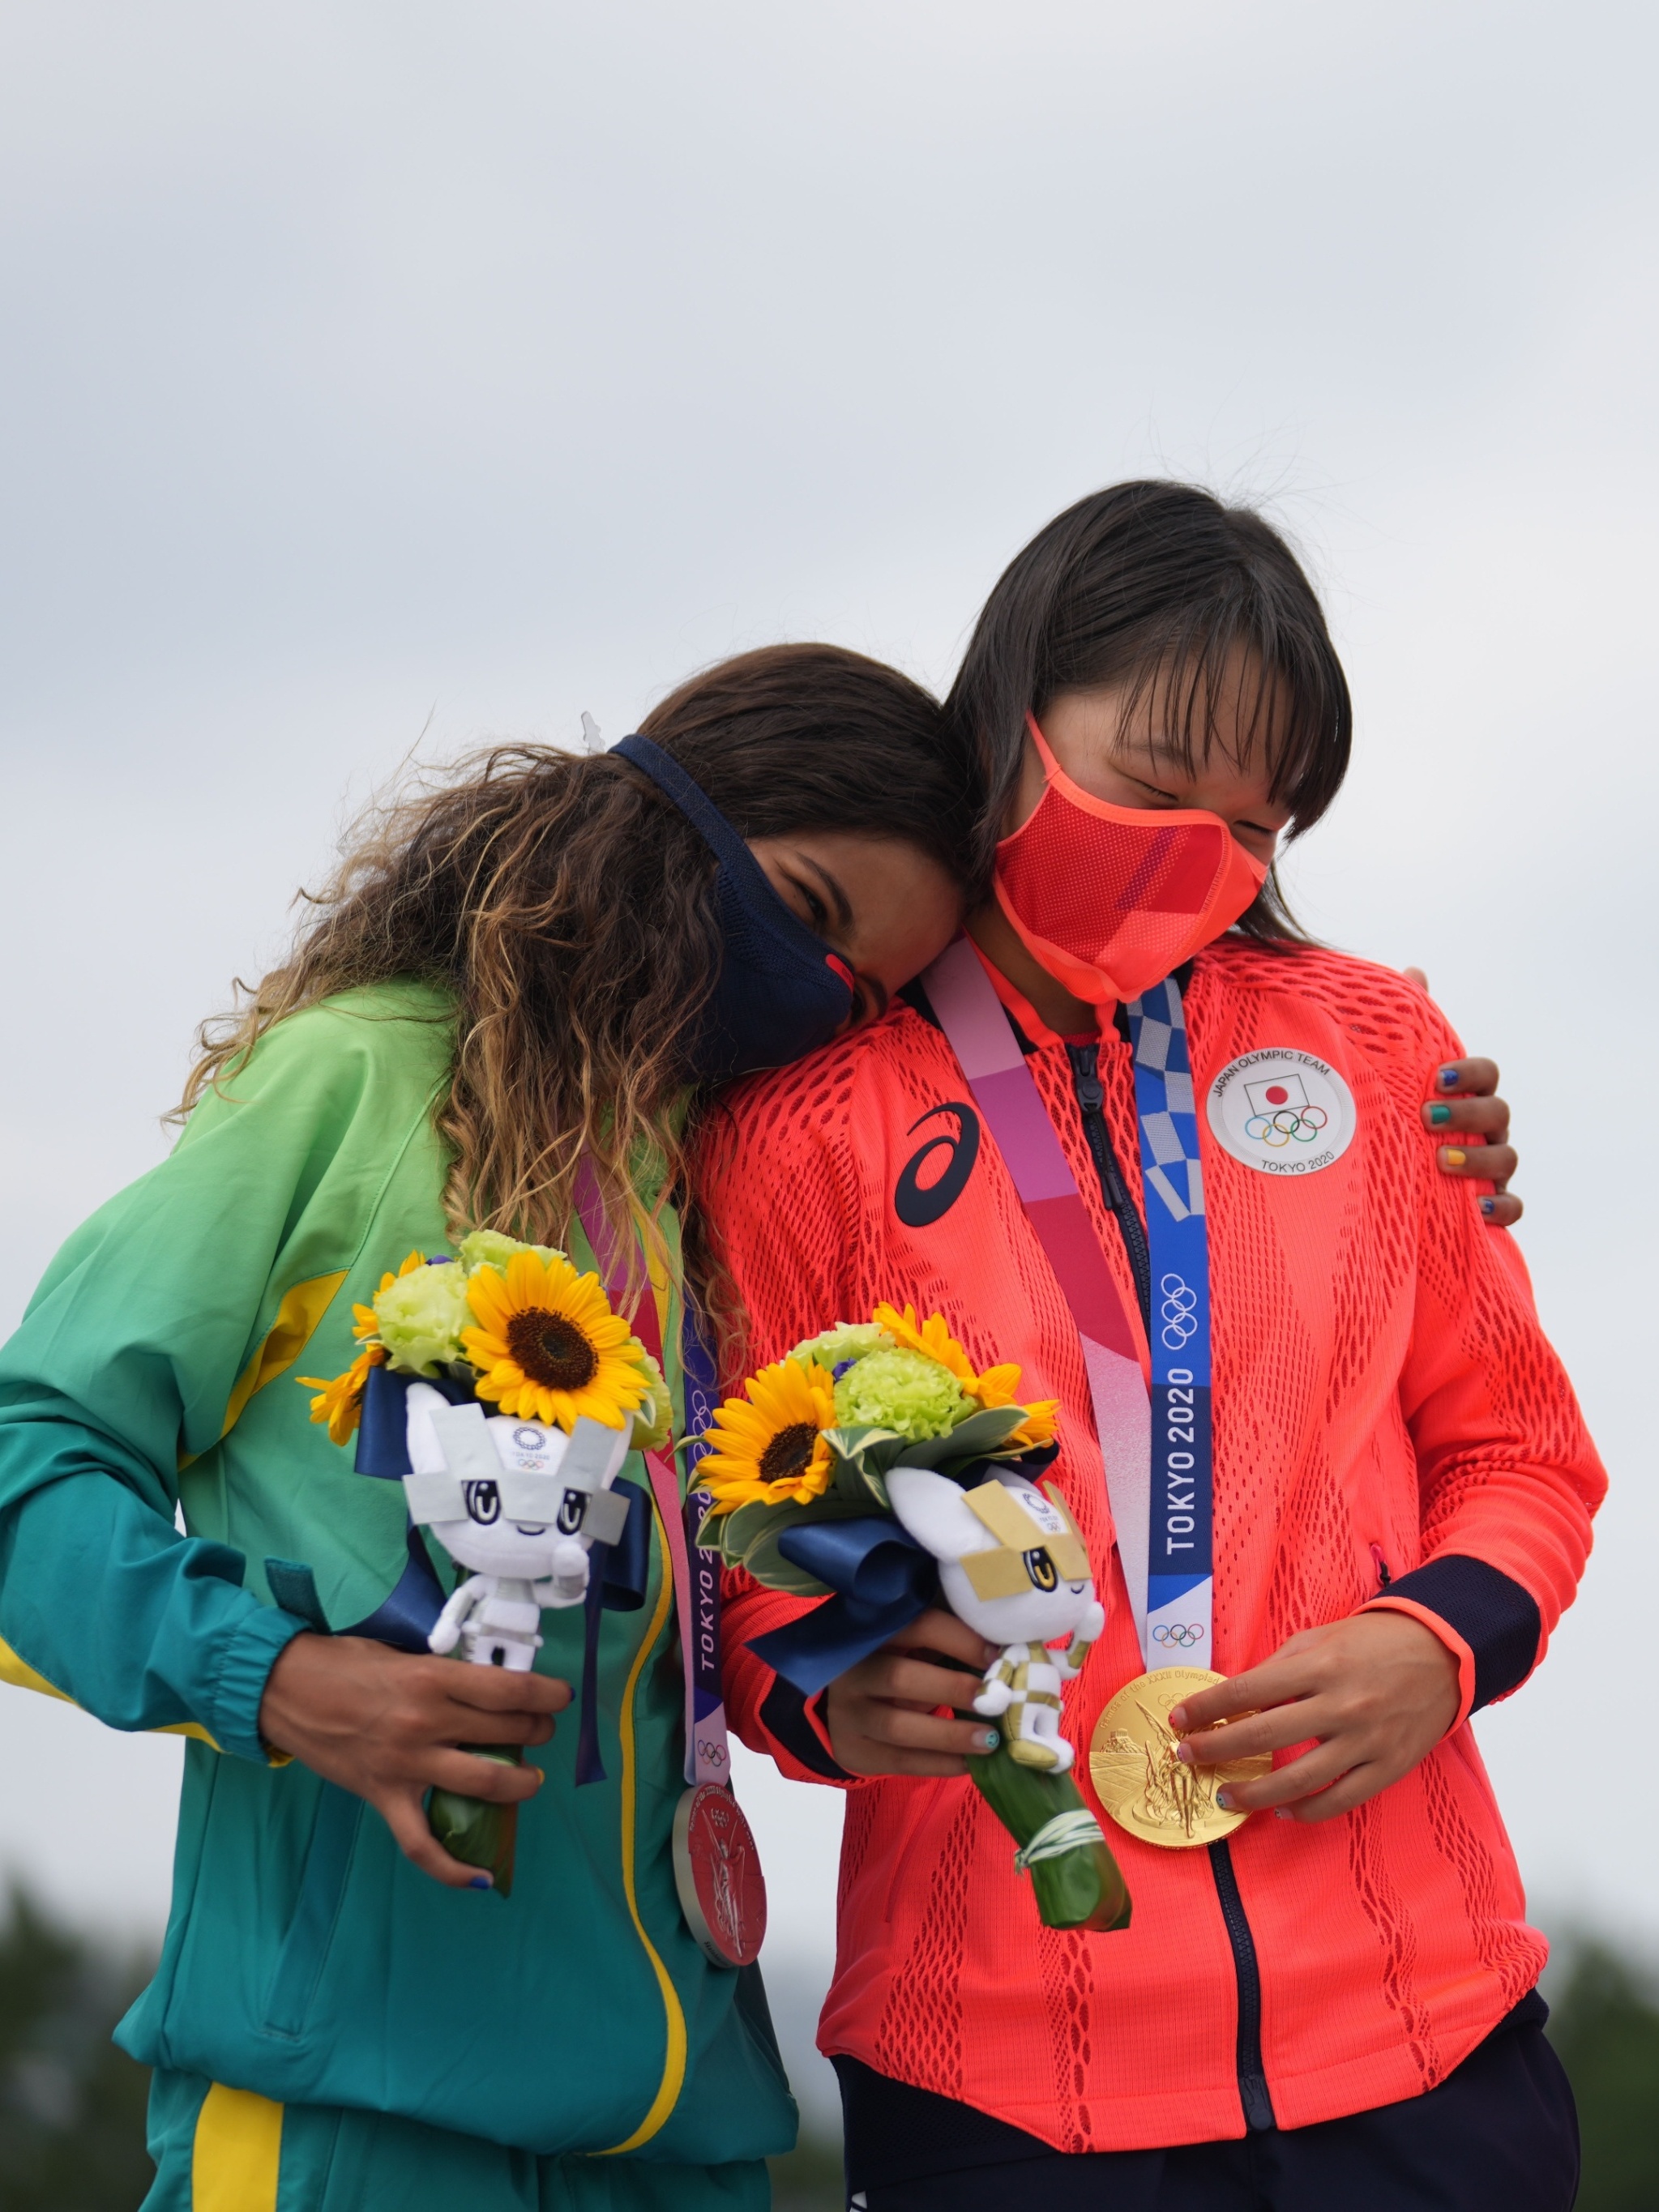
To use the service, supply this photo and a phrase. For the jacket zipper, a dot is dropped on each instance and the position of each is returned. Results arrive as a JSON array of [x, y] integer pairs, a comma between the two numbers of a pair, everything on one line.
[[1253, 2092], [1091, 1098], [1252, 2081]]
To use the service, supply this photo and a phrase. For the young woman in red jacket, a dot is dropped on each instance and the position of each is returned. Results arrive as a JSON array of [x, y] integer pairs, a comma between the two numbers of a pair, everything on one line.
[[1326, 1994]]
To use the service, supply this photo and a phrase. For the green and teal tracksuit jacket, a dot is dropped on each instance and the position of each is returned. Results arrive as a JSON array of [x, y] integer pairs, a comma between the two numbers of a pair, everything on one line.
[[306, 1961]]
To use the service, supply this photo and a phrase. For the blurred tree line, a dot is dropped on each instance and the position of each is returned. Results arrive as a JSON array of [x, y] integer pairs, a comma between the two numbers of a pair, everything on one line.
[[72, 2105]]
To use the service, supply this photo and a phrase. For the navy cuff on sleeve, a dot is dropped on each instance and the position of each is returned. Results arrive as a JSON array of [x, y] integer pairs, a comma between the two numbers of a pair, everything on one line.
[[1494, 1615], [783, 1715]]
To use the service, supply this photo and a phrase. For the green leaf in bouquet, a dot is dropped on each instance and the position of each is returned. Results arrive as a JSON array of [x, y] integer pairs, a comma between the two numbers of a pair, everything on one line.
[[875, 1488], [861, 1456], [474, 1830], [859, 1450], [979, 1437], [1077, 1884], [732, 1533], [1075, 1881], [857, 1437]]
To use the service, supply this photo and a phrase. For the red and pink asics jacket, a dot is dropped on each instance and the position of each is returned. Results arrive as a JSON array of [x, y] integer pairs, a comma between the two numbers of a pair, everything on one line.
[[1385, 1406]]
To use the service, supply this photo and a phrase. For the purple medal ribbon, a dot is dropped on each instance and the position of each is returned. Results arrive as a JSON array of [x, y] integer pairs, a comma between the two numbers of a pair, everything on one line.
[[697, 1573]]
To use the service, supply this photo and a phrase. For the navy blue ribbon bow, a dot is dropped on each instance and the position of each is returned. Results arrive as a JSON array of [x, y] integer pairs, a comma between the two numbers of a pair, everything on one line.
[[882, 1579]]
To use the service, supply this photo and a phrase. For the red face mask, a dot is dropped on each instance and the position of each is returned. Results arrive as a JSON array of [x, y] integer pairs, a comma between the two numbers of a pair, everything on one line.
[[1110, 900]]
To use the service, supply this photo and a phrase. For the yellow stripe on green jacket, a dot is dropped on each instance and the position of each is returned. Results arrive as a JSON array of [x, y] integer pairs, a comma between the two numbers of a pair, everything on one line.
[[306, 1960]]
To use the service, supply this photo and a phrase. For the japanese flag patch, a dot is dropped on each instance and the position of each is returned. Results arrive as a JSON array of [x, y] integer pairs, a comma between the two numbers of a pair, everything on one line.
[[1282, 1111]]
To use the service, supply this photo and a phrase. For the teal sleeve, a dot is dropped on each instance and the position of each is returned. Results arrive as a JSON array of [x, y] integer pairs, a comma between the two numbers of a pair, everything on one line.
[[147, 1352], [142, 1627]]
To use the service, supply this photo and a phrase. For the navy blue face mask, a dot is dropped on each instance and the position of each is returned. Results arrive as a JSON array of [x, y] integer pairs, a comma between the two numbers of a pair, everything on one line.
[[781, 992]]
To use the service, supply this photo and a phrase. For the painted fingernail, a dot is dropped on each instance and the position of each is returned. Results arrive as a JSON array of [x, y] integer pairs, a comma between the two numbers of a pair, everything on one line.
[[481, 1881], [1184, 1753], [1448, 1078], [1489, 1207], [1439, 1115], [986, 1740], [1283, 1813], [1178, 1718], [1453, 1156], [1224, 1799]]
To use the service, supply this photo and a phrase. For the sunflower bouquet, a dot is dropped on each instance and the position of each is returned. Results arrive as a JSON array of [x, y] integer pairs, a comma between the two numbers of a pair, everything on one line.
[[876, 1469], [504, 1390], [514, 1323]]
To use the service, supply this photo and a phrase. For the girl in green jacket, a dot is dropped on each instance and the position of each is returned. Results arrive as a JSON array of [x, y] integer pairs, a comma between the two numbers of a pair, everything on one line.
[[530, 966]]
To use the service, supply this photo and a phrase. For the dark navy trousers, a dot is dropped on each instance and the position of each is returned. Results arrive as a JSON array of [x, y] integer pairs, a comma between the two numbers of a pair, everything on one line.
[[1499, 2134]]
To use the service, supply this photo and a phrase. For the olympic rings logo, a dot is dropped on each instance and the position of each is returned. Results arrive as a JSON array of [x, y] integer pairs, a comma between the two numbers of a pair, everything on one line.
[[710, 1753], [1290, 1125], [1177, 1313], [1182, 1634]]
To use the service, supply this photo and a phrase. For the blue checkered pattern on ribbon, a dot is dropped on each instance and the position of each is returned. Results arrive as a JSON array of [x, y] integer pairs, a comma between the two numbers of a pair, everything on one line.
[[1169, 1136], [1178, 1560]]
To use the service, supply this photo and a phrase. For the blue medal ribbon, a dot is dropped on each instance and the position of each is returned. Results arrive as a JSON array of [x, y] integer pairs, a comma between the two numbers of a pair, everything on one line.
[[1180, 1568]]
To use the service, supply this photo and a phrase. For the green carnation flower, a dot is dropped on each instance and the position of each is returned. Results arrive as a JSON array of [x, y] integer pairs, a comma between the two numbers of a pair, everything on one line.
[[848, 1339], [488, 1248], [422, 1315], [655, 1422], [904, 1391]]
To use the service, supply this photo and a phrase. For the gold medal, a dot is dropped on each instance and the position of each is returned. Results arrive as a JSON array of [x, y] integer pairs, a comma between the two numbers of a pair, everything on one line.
[[1138, 1777]]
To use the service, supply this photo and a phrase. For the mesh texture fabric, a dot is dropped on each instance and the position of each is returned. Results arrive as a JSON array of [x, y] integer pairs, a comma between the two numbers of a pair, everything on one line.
[[1380, 1379]]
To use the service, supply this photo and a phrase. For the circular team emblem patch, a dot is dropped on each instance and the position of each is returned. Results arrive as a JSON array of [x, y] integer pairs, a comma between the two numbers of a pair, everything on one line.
[[1284, 1112]]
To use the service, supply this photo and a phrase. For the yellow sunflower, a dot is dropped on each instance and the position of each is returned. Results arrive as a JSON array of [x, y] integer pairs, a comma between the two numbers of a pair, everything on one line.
[[363, 1317], [995, 1387], [1038, 1428], [771, 1450], [341, 1404], [548, 1346]]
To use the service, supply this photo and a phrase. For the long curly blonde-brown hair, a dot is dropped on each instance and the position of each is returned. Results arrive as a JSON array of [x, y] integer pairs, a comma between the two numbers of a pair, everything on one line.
[[567, 907]]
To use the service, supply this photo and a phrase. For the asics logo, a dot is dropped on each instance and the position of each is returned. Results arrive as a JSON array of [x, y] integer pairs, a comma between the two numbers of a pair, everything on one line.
[[918, 1206], [1178, 1312]]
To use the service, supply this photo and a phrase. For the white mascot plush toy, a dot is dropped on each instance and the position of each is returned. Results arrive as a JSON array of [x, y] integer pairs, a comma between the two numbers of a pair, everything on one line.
[[1013, 1566], [520, 1503]]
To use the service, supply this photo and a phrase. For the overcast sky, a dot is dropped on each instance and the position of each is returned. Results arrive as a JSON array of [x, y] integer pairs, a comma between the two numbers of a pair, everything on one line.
[[375, 378]]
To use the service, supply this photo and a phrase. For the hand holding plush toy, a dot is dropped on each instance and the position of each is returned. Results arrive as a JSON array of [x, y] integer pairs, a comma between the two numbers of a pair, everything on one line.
[[1011, 1565], [517, 1393]]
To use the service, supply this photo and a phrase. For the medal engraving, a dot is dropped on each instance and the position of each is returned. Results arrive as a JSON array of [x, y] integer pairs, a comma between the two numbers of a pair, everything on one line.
[[718, 1874], [1139, 1780]]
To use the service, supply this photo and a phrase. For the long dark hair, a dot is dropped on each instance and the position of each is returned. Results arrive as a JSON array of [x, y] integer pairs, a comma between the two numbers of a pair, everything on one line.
[[1153, 580], [568, 908]]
